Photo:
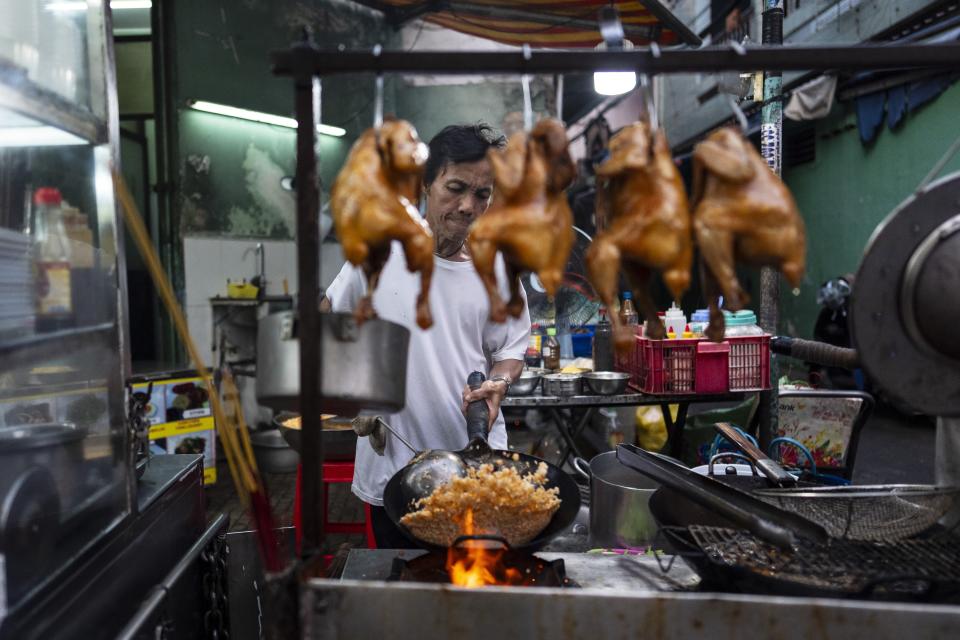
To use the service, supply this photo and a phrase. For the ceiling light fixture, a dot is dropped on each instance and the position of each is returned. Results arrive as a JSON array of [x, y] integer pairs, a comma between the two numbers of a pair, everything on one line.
[[614, 83], [259, 116], [79, 5]]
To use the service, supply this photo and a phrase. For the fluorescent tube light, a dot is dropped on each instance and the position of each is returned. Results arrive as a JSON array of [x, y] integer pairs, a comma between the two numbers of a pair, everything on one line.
[[38, 136], [79, 5], [259, 116]]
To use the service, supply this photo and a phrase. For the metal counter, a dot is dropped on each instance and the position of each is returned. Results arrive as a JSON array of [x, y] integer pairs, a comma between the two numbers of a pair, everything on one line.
[[569, 431], [334, 610]]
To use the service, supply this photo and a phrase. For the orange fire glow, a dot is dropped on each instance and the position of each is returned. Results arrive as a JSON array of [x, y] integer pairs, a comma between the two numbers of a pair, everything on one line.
[[473, 565]]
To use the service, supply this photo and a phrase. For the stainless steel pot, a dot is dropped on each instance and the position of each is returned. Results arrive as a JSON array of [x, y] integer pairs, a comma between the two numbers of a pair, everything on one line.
[[620, 515], [362, 367]]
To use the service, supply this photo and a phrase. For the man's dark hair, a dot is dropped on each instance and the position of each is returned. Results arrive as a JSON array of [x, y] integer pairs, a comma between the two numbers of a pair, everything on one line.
[[460, 143]]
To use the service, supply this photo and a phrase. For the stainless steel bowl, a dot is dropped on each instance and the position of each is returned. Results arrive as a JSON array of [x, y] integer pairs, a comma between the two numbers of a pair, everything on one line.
[[563, 384], [607, 383], [525, 384]]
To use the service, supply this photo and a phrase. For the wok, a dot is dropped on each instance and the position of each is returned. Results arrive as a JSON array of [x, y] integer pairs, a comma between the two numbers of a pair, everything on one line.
[[397, 503]]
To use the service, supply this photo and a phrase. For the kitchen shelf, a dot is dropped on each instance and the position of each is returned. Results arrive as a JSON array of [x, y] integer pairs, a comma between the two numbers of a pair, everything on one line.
[[30, 101], [38, 347]]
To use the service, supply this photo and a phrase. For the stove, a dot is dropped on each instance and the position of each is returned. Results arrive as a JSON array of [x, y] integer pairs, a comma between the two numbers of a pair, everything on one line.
[[607, 571], [531, 571]]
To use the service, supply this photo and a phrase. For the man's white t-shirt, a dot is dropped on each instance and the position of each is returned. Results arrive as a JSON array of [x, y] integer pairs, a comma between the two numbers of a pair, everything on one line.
[[461, 340]]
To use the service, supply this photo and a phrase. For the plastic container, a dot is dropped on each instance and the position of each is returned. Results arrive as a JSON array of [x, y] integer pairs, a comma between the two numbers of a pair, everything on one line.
[[583, 342], [675, 320], [565, 339], [741, 324], [680, 366], [53, 253], [699, 321]]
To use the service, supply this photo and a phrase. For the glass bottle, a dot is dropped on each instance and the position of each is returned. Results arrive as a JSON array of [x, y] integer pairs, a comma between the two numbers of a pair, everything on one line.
[[551, 350]]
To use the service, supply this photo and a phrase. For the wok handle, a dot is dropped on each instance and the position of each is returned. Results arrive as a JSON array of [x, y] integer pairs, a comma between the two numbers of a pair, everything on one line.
[[478, 413], [776, 474]]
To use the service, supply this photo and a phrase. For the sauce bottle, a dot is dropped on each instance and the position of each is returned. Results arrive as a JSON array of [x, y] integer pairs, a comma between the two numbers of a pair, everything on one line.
[[603, 344], [551, 350], [52, 246], [628, 313]]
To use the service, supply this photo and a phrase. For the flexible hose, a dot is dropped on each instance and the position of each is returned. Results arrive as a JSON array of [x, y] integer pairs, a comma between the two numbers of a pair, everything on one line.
[[816, 352]]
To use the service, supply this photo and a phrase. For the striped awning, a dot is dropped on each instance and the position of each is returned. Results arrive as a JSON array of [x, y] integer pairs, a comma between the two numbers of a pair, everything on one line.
[[542, 23]]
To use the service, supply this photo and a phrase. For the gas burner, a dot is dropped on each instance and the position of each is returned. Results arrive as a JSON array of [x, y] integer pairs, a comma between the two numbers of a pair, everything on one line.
[[506, 566]]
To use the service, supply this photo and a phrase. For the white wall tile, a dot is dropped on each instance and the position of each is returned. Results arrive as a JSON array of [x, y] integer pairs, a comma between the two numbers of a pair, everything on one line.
[[279, 265], [236, 266], [331, 261], [200, 323], [203, 270]]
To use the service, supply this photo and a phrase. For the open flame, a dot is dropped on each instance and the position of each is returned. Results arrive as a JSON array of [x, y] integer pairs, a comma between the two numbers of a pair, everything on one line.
[[472, 564]]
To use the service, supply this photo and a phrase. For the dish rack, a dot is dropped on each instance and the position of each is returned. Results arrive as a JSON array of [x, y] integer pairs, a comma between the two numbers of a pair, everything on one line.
[[697, 366]]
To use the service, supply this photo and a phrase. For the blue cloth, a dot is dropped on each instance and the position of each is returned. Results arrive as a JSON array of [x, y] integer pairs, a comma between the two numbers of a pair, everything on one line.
[[896, 105], [870, 112], [920, 93]]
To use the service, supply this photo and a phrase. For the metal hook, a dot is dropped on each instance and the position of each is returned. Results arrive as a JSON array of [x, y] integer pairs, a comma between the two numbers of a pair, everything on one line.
[[649, 104], [738, 112], [527, 100], [558, 82], [378, 95]]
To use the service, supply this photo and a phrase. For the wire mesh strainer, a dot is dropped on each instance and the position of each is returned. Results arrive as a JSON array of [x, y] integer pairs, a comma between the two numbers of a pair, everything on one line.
[[867, 512]]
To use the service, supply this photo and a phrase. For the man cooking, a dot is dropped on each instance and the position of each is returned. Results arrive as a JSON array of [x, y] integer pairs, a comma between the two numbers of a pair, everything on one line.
[[458, 185]]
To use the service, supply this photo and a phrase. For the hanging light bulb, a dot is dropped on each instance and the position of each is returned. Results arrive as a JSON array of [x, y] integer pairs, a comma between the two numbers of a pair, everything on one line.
[[614, 83]]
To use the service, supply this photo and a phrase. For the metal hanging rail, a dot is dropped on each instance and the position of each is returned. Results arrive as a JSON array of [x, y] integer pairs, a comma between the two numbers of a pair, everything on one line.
[[303, 60], [305, 63]]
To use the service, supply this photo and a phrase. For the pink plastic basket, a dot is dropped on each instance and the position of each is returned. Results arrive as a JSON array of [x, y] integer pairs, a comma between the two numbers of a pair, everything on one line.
[[688, 366]]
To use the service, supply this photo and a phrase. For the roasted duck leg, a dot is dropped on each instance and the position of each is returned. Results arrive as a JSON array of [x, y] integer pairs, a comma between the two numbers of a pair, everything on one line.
[[742, 214], [374, 202], [529, 220], [649, 226]]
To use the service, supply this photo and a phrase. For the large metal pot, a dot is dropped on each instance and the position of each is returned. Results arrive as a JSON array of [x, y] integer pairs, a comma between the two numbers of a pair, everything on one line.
[[339, 439], [620, 515], [362, 367]]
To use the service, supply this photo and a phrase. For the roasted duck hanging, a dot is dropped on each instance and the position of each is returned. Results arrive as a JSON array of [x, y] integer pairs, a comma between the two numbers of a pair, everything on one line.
[[648, 227], [742, 214], [374, 201], [529, 220]]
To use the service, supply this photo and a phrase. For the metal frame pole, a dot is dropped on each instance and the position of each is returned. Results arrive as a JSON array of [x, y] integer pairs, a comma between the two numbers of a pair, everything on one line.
[[771, 146], [307, 101]]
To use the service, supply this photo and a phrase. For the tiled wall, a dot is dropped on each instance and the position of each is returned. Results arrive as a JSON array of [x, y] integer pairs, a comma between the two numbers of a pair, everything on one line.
[[209, 261]]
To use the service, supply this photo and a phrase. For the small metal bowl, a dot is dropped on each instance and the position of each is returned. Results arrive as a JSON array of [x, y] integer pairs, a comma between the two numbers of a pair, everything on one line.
[[563, 384], [607, 383], [525, 384]]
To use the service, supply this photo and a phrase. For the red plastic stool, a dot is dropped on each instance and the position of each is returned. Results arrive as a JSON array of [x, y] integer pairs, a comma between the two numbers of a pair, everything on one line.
[[333, 472]]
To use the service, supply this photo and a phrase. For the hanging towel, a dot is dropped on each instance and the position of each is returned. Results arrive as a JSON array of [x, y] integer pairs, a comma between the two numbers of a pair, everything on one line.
[[812, 100], [870, 112], [920, 93], [896, 105]]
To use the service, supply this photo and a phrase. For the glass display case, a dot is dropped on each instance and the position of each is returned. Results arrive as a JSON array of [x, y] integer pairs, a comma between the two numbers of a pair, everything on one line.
[[66, 471]]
